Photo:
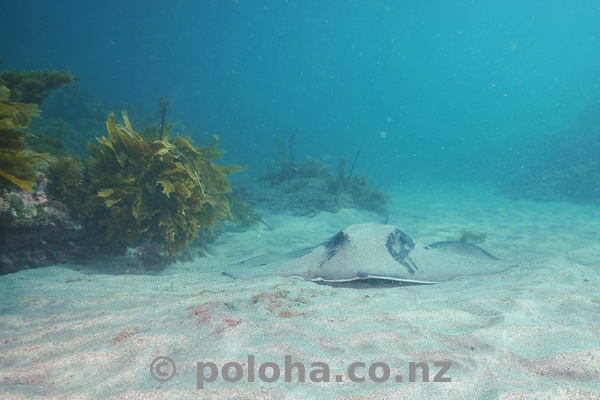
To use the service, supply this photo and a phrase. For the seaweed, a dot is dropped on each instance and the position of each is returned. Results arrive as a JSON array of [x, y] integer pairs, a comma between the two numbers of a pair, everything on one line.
[[313, 169], [311, 186], [353, 165], [159, 191], [53, 142], [287, 169], [71, 119], [367, 198], [34, 86], [163, 106], [242, 213], [66, 184], [16, 161]]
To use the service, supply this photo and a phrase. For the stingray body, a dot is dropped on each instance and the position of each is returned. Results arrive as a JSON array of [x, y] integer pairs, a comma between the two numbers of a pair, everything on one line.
[[375, 253]]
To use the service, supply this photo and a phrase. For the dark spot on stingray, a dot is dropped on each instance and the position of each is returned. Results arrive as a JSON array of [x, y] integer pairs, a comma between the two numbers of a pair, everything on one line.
[[404, 238], [399, 244], [333, 245], [337, 240]]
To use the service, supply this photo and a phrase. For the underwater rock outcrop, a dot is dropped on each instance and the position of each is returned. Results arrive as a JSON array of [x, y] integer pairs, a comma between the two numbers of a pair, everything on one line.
[[35, 232], [311, 187], [156, 191]]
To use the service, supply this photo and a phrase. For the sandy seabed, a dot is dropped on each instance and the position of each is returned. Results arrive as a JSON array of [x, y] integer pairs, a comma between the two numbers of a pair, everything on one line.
[[531, 332]]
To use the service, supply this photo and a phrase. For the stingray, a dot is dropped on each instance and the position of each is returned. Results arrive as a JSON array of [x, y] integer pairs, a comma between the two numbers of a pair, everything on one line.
[[374, 254]]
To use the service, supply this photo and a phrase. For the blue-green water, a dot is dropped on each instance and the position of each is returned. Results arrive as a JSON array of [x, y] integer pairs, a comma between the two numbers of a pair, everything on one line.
[[447, 90], [450, 104]]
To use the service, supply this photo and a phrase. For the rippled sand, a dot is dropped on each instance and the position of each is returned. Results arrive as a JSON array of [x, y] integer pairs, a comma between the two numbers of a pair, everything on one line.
[[532, 332]]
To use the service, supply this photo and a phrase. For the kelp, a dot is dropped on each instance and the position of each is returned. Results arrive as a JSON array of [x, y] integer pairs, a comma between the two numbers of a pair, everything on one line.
[[16, 161], [158, 191], [65, 177], [51, 138], [34, 86]]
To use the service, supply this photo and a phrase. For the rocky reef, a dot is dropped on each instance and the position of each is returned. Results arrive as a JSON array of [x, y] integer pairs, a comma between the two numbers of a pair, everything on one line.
[[145, 191], [311, 187]]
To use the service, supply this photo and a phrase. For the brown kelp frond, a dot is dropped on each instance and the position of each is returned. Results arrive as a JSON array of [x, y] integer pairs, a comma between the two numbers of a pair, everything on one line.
[[34, 86], [158, 191], [16, 161], [66, 183], [14, 114]]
